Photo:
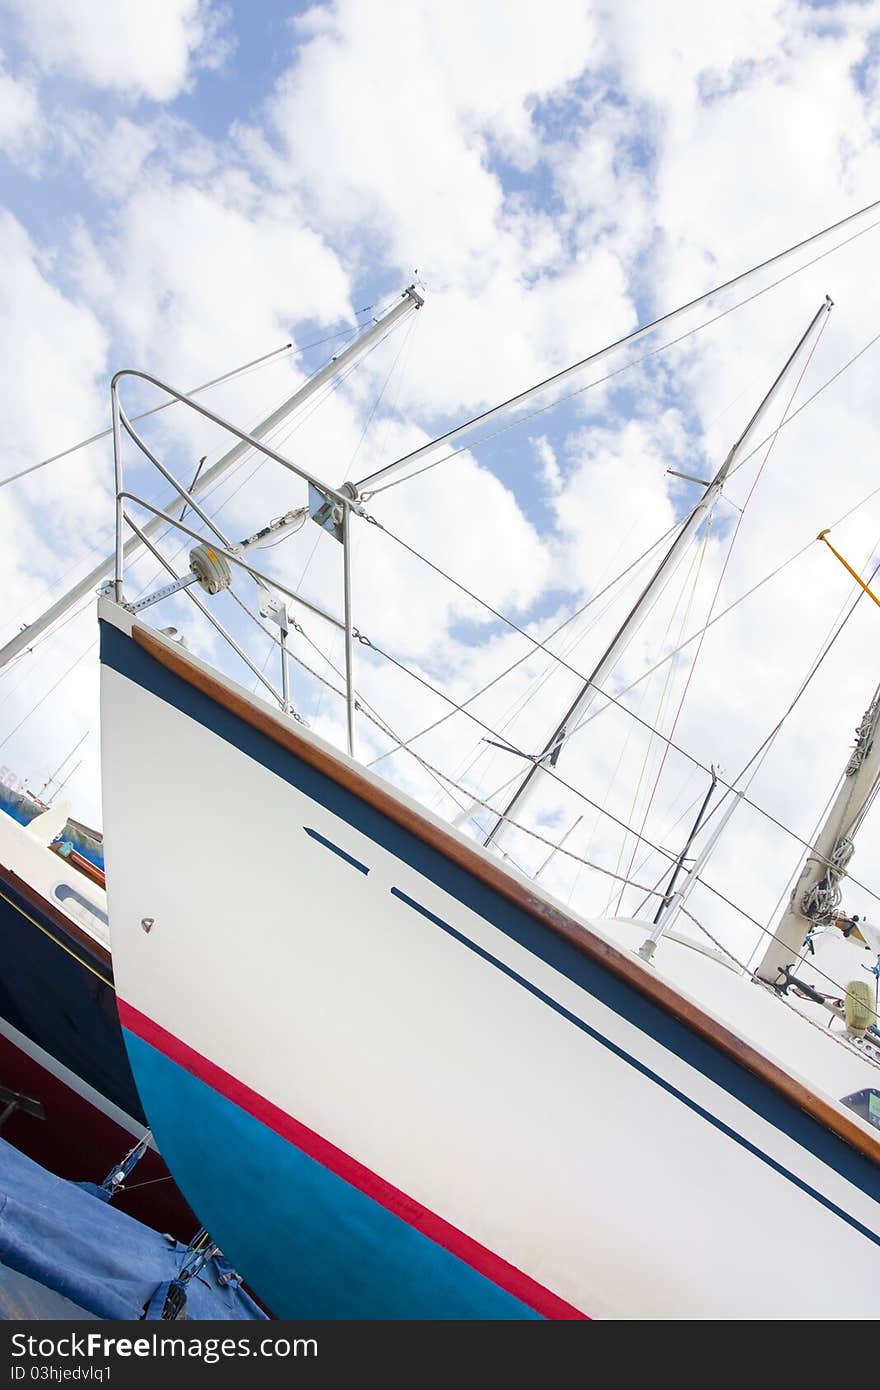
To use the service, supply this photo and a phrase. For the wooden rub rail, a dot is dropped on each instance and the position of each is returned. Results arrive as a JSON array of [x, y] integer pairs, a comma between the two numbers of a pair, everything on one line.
[[85, 866], [625, 967]]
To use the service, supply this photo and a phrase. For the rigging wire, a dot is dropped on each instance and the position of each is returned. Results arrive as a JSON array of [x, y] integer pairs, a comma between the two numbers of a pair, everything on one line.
[[773, 916], [209, 492], [670, 656], [652, 725], [696, 565], [536, 644], [748, 593], [102, 434], [693, 666], [542, 645], [761, 752], [809, 401], [561, 849], [811, 839], [361, 704], [572, 640], [282, 432], [616, 700], [730, 787], [275, 434], [609, 376], [43, 698], [700, 796], [535, 835], [244, 370]]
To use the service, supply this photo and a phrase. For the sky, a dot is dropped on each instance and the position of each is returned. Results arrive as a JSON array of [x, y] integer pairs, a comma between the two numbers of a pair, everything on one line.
[[189, 185]]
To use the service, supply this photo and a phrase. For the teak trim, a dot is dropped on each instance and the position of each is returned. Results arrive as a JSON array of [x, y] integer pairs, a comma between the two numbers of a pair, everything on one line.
[[85, 866], [640, 977]]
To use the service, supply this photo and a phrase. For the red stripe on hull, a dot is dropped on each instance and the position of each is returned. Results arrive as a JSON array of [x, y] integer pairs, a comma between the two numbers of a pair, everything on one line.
[[514, 1281]]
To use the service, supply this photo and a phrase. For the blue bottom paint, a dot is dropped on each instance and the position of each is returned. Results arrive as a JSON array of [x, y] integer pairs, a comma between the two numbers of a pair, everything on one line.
[[309, 1243]]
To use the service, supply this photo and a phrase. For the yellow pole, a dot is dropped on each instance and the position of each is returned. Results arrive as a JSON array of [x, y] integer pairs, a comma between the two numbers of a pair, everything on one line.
[[823, 536]]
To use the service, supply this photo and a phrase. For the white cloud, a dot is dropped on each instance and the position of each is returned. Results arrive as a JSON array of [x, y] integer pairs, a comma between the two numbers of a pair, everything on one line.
[[206, 269], [550, 470], [58, 360], [135, 49], [387, 112], [21, 122], [113, 153]]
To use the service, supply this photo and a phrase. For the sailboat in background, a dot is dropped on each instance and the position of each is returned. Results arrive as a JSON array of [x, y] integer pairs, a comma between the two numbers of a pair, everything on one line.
[[392, 1074]]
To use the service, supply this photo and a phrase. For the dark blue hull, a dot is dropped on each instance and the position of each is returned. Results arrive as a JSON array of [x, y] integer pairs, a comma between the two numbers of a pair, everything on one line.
[[61, 1045]]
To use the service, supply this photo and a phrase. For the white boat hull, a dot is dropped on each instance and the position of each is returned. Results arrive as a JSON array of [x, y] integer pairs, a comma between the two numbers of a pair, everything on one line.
[[390, 1090]]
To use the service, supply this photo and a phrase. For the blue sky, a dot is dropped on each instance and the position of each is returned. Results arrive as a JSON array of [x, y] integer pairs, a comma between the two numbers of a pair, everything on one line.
[[184, 186]]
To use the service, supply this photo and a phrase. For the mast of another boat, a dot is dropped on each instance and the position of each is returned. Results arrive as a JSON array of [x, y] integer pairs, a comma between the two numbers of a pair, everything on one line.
[[409, 301], [592, 687], [815, 898]]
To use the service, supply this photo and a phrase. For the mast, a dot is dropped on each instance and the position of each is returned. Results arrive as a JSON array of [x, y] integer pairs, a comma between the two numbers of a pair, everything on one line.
[[409, 301], [49, 780], [815, 898], [650, 594], [670, 908], [679, 863]]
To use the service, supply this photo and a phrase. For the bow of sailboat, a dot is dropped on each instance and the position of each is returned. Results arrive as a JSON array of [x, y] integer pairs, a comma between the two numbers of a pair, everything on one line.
[[435, 1078]]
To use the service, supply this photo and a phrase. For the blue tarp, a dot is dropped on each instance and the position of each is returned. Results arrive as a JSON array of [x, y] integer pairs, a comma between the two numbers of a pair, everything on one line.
[[58, 1234]]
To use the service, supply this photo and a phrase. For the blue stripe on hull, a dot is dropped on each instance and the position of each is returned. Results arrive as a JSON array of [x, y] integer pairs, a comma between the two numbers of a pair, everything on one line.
[[123, 655], [314, 1247]]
